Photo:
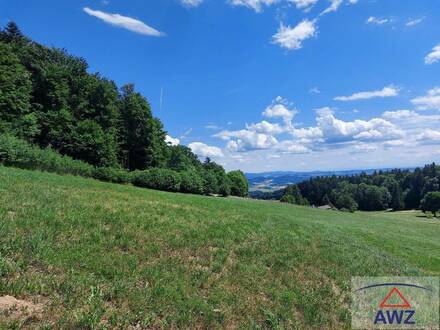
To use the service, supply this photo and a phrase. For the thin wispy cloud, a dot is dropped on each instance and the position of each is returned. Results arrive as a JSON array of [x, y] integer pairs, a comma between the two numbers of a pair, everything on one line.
[[304, 4], [256, 5], [433, 56], [334, 6], [314, 90], [377, 21], [414, 22], [124, 22], [191, 3], [388, 91]]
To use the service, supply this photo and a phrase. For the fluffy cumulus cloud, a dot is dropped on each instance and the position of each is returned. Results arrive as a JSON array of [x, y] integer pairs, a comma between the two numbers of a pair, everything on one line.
[[124, 22], [329, 131], [399, 114], [246, 140], [388, 91], [429, 136], [278, 139], [279, 109], [266, 128], [172, 141], [335, 130], [256, 5], [191, 3], [429, 101], [433, 56], [204, 150], [292, 37]]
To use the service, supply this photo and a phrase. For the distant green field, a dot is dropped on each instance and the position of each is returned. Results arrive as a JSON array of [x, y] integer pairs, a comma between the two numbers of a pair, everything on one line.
[[99, 255]]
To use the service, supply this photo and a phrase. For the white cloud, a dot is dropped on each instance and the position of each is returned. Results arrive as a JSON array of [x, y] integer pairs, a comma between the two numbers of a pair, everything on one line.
[[429, 101], [334, 6], [253, 4], [429, 136], [336, 130], [399, 114], [377, 21], [365, 142], [204, 150], [433, 56], [245, 140], [353, 2], [279, 109], [191, 3], [304, 4], [414, 22], [292, 147], [394, 144], [172, 141], [364, 147], [266, 128], [124, 22], [388, 91], [292, 38], [212, 127], [310, 133]]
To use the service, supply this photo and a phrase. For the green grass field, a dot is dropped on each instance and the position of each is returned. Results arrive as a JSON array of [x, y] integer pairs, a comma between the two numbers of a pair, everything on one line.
[[99, 255]]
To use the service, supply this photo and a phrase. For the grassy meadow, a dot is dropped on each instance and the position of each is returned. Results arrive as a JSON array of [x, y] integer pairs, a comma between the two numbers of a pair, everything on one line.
[[96, 255]]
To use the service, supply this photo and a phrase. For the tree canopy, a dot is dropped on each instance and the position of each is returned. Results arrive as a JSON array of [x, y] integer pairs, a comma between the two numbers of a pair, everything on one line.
[[396, 189], [49, 99]]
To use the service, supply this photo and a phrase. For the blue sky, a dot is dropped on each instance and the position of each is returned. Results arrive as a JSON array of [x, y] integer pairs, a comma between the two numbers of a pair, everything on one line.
[[266, 85]]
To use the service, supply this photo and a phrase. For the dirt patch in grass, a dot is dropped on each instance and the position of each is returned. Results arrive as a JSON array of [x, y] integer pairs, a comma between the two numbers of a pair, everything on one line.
[[18, 309]]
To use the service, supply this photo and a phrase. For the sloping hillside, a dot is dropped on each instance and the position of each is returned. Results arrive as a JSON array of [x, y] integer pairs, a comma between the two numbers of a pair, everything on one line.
[[92, 255]]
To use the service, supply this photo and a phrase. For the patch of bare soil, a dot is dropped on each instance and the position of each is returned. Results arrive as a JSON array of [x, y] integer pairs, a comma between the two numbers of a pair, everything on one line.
[[18, 309]]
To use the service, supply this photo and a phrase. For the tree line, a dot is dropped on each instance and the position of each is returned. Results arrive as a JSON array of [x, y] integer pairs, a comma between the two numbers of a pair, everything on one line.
[[396, 189], [49, 99]]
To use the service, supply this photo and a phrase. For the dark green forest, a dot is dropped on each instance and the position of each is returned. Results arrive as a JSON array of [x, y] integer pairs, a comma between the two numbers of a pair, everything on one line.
[[50, 101], [396, 189]]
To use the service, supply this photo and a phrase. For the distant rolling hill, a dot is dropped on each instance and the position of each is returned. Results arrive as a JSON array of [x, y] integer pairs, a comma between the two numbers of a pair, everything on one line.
[[267, 182]]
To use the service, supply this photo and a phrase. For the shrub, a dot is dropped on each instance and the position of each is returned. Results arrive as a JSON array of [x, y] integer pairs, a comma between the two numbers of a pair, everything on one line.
[[157, 178], [191, 182], [19, 153], [110, 174]]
